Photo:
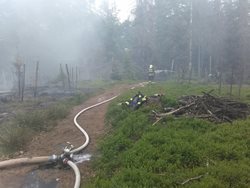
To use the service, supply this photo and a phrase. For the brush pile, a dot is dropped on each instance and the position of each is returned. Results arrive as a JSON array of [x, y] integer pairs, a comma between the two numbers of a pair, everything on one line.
[[210, 107]]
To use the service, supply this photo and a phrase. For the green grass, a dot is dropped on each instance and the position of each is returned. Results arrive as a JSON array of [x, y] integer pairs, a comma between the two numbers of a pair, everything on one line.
[[16, 133], [13, 138], [137, 154]]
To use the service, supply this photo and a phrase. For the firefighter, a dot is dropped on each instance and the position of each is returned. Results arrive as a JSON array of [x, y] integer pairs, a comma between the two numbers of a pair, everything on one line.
[[136, 101], [151, 73]]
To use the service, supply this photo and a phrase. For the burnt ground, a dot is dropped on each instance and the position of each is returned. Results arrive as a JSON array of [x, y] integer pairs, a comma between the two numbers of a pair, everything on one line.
[[52, 142]]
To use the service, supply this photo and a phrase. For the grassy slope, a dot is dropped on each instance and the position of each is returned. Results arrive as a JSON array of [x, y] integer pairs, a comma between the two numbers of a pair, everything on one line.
[[17, 132], [136, 154]]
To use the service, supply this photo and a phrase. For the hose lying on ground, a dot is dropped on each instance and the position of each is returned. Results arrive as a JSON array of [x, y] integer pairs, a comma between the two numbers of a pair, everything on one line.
[[54, 158], [77, 173], [21, 161], [70, 163], [81, 129]]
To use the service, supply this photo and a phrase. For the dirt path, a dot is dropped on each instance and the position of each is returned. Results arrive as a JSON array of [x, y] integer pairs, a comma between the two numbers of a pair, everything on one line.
[[52, 143]]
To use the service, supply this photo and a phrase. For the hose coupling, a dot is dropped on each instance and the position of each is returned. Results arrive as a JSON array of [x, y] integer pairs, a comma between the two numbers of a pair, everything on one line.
[[53, 158]]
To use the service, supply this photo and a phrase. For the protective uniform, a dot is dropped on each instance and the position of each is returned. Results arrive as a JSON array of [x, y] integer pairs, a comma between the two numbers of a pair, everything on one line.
[[136, 101], [151, 73]]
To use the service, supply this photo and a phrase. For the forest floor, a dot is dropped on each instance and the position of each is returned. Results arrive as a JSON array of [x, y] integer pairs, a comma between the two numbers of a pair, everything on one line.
[[48, 143]]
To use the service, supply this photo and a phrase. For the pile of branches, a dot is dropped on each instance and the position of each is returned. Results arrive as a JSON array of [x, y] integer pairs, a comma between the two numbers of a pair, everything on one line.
[[210, 107]]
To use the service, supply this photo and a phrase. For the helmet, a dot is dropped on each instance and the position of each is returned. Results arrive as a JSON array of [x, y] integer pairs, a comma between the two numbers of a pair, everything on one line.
[[150, 66]]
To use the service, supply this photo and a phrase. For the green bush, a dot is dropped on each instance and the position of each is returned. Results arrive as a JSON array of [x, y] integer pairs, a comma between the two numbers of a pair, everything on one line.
[[13, 137], [55, 112], [167, 102], [76, 99], [35, 120], [15, 134], [137, 154]]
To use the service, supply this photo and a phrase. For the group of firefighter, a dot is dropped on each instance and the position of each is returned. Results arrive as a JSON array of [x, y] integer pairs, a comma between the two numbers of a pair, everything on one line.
[[136, 101]]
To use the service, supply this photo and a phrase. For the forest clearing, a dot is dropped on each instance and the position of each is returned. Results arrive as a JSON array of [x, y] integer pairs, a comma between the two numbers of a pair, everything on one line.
[[124, 93], [125, 132]]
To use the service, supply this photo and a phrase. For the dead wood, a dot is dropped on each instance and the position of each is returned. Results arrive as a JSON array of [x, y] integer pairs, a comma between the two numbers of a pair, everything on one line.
[[191, 179], [207, 106]]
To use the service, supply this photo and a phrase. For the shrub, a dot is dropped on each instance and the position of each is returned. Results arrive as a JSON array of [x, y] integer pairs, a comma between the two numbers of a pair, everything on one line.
[[13, 137], [35, 120], [15, 134], [137, 154], [77, 99], [55, 112]]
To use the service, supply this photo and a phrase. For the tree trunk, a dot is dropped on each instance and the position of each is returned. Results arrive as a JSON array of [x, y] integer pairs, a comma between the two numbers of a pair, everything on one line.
[[199, 61], [231, 82], [241, 82], [72, 77], [190, 67], [210, 65], [67, 70], [36, 79], [23, 83], [76, 81], [220, 82], [62, 76]]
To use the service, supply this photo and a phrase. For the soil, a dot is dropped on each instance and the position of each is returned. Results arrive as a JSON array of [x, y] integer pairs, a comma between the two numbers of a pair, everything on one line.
[[48, 143]]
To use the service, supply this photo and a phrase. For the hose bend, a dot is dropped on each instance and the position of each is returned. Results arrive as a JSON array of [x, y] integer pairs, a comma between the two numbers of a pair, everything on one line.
[[54, 158], [77, 173], [70, 163], [81, 129]]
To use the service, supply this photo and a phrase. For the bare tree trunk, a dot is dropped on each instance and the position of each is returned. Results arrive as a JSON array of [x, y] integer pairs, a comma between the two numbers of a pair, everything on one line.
[[62, 76], [241, 81], [23, 83], [76, 78], [231, 82], [220, 82], [36, 79], [244, 50], [72, 77], [19, 82], [190, 67], [67, 70], [172, 66], [199, 61], [210, 65]]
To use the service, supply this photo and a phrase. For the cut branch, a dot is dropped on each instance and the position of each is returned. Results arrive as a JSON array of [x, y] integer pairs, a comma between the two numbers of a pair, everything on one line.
[[191, 179], [175, 111]]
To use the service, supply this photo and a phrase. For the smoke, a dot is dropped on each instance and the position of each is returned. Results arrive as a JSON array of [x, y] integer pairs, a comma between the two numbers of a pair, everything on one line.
[[51, 32]]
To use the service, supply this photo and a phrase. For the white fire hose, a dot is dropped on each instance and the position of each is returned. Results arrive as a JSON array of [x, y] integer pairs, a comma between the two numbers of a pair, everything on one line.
[[65, 157], [85, 144]]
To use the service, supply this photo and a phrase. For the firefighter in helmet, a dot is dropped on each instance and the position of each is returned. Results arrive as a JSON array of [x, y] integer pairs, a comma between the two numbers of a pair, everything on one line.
[[151, 73], [136, 101]]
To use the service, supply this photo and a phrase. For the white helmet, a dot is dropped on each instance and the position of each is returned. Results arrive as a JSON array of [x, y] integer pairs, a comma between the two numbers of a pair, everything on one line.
[[150, 66]]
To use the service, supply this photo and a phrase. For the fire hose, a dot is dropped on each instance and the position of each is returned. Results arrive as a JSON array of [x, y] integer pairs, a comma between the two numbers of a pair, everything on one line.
[[68, 151]]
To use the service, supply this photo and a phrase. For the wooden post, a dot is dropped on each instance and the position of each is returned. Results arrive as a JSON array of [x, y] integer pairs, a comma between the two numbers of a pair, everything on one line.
[[36, 79], [172, 67], [72, 77], [67, 70], [76, 81], [220, 82], [231, 81], [210, 64], [19, 81], [23, 83], [18, 66], [62, 76]]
